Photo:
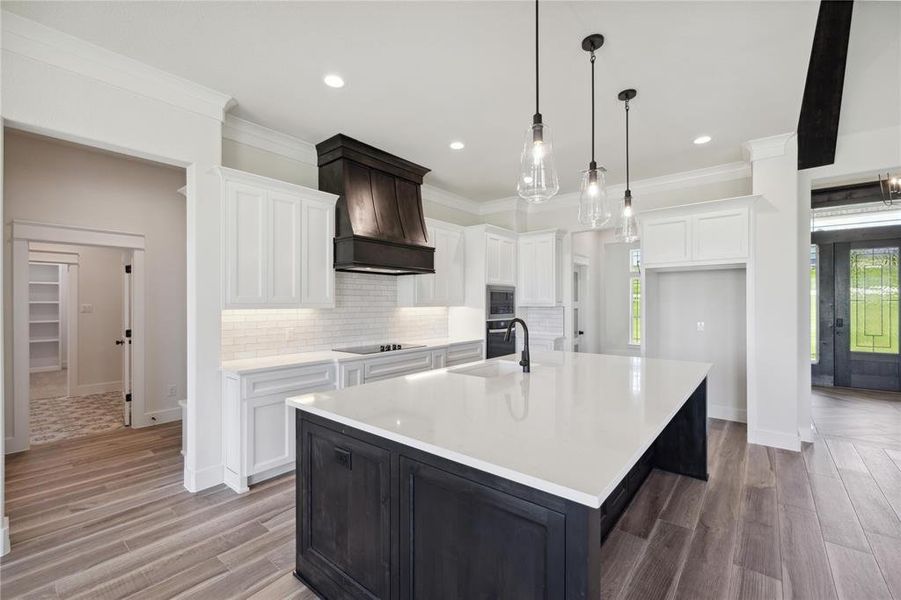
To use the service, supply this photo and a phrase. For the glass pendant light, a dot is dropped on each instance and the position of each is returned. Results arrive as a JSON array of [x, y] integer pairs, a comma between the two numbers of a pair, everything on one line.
[[628, 227], [537, 173], [594, 208], [890, 188]]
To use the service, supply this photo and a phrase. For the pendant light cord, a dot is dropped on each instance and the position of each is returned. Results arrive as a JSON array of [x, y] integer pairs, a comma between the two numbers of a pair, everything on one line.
[[592, 108], [627, 146], [536, 58]]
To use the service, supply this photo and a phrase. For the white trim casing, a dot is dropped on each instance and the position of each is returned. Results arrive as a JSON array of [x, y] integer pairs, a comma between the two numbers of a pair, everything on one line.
[[31, 39], [774, 439]]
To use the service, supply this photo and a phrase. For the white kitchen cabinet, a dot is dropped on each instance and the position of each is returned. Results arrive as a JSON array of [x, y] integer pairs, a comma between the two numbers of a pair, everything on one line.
[[386, 367], [500, 258], [540, 269], [444, 287], [706, 233], [350, 373], [258, 435], [277, 241], [458, 354]]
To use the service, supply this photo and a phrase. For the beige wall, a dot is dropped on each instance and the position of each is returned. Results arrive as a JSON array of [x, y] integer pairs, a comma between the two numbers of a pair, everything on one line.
[[236, 155], [57, 182]]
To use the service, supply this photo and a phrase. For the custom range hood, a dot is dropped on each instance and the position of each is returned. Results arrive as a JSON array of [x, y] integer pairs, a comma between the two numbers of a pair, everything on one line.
[[379, 226]]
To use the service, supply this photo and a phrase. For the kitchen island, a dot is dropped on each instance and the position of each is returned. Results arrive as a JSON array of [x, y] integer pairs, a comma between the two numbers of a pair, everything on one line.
[[481, 481]]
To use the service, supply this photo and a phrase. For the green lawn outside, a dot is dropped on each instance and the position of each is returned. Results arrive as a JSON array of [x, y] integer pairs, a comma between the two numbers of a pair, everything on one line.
[[874, 301]]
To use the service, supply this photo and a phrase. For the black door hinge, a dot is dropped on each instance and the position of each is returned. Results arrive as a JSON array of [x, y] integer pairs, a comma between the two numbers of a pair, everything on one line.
[[128, 397], [128, 268], [128, 333]]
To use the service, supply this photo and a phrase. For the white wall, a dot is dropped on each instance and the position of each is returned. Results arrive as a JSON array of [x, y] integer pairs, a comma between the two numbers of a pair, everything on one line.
[[716, 298], [245, 157], [100, 286], [62, 183], [57, 84]]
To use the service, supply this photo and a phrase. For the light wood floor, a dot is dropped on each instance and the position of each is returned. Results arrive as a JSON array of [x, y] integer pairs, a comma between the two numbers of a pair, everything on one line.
[[107, 517]]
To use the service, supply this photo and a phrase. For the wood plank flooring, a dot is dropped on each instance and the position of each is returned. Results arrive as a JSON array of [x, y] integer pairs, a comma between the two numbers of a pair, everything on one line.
[[106, 516]]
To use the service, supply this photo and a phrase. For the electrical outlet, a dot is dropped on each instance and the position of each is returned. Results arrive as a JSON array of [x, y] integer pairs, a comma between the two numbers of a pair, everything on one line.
[[87, 308], [172, 391], [700, 325]]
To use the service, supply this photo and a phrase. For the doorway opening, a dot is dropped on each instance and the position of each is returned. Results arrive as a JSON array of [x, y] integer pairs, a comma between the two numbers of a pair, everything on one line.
[[79, 311]]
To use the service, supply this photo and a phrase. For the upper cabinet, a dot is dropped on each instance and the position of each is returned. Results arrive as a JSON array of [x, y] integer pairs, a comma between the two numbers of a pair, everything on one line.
[[444, 287], [540, 269], [500, 257], [278, 243], [707, 233]]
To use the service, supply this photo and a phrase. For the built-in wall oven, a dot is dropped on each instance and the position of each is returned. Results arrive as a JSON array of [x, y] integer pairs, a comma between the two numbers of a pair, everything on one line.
[[501, 307]]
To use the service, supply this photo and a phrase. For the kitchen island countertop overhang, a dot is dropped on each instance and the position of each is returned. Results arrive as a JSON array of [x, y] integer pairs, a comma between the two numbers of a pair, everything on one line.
[[572, 428]]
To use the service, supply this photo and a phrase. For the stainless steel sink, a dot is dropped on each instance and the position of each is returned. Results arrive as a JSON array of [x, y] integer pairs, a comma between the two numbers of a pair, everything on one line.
[[491, 369]]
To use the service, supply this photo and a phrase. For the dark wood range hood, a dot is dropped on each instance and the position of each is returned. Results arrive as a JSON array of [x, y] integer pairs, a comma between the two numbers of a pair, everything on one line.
[[379, 225]]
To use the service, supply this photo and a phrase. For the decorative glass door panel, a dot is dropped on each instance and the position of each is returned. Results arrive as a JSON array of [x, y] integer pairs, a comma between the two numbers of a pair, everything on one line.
[[874, 300]]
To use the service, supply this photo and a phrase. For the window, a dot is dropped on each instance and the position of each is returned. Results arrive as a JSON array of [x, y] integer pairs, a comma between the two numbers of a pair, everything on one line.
[[635, 297], [814, 303], [874, 300]]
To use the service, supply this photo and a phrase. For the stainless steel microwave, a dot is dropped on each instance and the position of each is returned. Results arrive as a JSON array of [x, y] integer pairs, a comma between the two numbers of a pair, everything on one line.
[[501, 302]]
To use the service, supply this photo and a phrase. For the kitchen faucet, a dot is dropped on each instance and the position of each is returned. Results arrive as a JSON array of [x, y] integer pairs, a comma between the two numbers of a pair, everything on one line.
[[524, 361]]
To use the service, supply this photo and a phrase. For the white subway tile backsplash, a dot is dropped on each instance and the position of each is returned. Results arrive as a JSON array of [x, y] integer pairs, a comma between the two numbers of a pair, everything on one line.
[[543, 320], [365, 311]]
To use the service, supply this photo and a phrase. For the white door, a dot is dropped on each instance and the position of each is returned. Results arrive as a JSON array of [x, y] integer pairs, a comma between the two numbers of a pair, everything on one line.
[[124, 342], [580, 276]]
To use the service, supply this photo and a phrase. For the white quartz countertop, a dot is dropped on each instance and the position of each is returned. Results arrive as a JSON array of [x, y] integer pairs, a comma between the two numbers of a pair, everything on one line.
[[573, 427], [245, 366]]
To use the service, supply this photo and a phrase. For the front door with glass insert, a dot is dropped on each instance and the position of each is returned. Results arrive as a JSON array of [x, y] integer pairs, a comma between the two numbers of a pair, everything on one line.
[[867, 315]]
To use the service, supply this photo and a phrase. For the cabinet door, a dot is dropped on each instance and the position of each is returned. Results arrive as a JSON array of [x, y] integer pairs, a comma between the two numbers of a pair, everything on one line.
[[284, 249], [461, 539], [666, 241], [269, 434], [351, 374], [492, 259], [464, 353], [344, 525], [395, 366], [720, 235], [455, 261], [500, 260], [318, 232], [246, 246]]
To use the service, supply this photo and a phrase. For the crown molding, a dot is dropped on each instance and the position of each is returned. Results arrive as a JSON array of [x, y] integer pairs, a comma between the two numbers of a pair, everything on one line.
[[251, 134], [437, 195], [768, 147], [663, 183], [38, 42]]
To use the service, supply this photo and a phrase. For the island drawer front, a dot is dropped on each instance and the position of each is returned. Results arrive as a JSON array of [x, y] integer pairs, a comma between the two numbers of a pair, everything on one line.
[[464, 353], [344, 513], [395, 366], [296, 380], [452, 527]]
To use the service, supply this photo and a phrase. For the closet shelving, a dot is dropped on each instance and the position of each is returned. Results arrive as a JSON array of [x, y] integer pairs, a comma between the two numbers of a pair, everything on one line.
[[45, 316]]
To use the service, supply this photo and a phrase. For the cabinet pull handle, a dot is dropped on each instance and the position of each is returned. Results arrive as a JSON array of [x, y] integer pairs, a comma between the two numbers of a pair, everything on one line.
[[343, 457]]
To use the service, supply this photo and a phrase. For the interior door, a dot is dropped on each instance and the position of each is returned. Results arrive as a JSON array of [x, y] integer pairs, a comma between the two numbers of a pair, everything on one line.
[[867, 314], [579, 272], [124, 342]]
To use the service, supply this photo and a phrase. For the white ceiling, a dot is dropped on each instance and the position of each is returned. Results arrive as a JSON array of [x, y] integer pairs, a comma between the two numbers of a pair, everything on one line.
[[420, 74]]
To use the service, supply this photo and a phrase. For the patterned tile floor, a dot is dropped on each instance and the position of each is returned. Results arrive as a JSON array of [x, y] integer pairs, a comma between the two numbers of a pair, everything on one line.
[[67, 417]]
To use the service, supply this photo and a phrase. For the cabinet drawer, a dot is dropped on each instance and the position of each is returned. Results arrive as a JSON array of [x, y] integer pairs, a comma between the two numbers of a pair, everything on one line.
[[374, 370], [464, 353], [294, 379]]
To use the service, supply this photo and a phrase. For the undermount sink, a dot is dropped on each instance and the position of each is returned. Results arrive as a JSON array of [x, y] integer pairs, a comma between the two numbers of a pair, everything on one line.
[[492, 369]]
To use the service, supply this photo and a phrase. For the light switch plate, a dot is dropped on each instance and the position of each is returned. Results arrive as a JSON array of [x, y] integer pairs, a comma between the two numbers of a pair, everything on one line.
[[87, 308]]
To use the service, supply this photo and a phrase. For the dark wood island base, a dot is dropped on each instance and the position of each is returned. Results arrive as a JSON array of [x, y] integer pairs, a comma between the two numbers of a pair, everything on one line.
[[378, 519]]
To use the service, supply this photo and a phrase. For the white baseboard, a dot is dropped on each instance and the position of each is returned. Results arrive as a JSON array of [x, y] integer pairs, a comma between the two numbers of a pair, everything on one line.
[[4, 536], [234, 482], [208, 477], [12, 445], [167, 415], [103, 387], [774, 439], [806, 434], [727, 413]]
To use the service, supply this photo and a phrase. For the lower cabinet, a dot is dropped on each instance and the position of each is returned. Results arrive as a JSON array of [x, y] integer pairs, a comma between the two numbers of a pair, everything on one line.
[[258, 428], [459, 534]]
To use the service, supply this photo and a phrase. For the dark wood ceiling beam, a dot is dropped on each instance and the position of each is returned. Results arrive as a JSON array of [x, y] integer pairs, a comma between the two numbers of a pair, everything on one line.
[[846, 195], [822, 102]]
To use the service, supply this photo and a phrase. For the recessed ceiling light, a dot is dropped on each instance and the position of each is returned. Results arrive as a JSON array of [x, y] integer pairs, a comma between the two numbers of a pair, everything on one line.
[[333, 80], [457, 145], [702, 139]]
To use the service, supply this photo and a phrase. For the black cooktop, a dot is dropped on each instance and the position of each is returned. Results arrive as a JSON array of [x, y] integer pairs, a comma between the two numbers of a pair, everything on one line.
[[376, 348]]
